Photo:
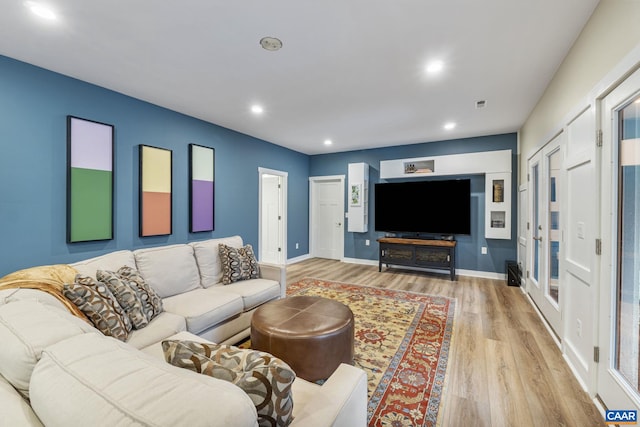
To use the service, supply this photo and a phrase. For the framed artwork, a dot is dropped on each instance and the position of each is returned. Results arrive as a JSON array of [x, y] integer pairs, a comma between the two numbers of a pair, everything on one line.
[[89, 180], [155, 191], [356, 195], [201, 188]]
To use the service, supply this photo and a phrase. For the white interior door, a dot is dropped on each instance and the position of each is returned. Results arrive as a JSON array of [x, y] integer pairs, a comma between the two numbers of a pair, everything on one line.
[[272, 216], [619, 338], [327, 217], [545, 174], [580, 264]]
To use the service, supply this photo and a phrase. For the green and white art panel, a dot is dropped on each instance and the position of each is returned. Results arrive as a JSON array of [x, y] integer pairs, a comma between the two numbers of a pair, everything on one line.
[[89, 180]]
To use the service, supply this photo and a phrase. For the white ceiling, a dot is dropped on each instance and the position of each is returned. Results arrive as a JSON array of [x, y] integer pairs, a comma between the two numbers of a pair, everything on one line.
[[349, 70]]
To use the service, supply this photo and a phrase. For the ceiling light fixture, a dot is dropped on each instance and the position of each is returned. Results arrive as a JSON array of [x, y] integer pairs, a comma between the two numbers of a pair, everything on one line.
[[271, 43], [434, 67], [328, 142], [257, 109], [41, 10], [449, 125]]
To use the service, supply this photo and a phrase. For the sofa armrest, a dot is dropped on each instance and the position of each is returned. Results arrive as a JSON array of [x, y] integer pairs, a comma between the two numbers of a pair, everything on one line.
[[275, 272], [340, 402]]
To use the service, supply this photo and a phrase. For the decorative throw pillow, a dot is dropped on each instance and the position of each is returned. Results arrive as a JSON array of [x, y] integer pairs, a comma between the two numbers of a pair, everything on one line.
[[266, 379], [97, 302], [238, 263], [151, 301], [127, 296]]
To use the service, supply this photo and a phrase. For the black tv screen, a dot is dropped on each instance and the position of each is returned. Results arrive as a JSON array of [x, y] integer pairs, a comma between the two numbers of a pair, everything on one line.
[[435, 207]]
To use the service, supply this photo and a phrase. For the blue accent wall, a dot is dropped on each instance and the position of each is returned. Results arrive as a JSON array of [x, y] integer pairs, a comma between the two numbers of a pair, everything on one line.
[[468, 250], [34, 104]]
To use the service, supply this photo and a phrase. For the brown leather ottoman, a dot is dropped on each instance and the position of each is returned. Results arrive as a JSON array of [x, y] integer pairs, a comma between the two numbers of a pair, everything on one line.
[[312, 334]]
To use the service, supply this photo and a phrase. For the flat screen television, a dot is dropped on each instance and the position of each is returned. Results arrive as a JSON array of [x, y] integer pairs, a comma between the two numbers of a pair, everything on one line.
[[424, 207]]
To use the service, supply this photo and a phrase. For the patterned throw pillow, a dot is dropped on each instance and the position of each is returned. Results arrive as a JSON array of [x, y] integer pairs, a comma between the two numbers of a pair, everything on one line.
[[151, 301], [127, 296], [238, 263], [266, 379], [97, 302]]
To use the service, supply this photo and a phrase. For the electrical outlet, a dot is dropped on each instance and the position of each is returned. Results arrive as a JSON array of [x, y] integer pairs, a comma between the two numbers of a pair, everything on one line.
[[578, 328], [367, 242], [297, 245], [483, 250]]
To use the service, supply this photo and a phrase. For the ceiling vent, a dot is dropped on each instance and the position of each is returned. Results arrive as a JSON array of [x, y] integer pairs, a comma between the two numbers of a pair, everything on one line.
[[481, 104], [270, 43]]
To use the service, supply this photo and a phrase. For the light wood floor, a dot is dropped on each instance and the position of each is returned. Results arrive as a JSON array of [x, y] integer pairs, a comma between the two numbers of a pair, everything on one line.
[[504, 367]]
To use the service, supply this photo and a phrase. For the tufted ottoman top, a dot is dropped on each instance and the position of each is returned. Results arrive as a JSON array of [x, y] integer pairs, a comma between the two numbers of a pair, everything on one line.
[[312, 334]]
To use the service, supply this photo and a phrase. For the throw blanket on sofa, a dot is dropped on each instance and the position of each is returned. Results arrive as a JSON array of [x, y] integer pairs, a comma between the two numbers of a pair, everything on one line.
[[47, 278]]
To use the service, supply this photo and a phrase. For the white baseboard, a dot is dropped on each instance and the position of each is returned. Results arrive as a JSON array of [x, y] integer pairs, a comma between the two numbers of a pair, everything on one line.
[[298, 259]]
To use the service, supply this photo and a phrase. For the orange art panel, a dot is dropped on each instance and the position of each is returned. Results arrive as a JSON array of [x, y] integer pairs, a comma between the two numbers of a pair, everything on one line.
[[156, 213]]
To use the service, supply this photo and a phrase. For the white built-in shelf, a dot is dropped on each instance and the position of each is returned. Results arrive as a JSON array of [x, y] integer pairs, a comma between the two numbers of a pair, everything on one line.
[[495, 165], [358, 194]]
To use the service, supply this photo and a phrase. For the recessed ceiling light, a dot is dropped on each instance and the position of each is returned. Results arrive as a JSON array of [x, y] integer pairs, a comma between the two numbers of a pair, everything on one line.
[[271, 43], [434, 67], [257, 109], [41, 10], [449, 125], [328, 142]]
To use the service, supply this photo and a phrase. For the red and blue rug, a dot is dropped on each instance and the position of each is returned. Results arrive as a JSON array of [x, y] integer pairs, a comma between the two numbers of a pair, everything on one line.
[[402, 341]]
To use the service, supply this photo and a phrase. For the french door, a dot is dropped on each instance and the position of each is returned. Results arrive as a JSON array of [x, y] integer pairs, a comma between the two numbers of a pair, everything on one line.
[[545, 232], [619, 334]]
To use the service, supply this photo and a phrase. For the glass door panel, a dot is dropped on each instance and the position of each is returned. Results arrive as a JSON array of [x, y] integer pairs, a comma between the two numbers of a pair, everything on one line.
[[627, 334], [554, 164], [535, 221]]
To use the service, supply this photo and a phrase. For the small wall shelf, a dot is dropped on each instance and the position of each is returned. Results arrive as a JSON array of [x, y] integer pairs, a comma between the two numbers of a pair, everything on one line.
[[358, 194], [497, 206]]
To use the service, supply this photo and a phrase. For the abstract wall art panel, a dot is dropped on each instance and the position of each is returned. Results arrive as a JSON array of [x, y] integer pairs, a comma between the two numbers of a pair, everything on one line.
[[89, 180], [201, 188], [155, 191]]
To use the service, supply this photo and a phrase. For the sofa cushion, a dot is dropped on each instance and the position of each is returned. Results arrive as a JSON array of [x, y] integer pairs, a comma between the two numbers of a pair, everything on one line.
[[253, 292], [97, 381], [266, 379], [127, 297], [111, 261], [99, 305], [204, 308], [238, 264], [207, 254], [151, 301], [26, 328], [161, 327], [15, 409], [169, 270]]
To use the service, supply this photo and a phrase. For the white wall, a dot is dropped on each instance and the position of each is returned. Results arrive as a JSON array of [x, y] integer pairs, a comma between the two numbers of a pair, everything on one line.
[[611, 33], [593, 64]]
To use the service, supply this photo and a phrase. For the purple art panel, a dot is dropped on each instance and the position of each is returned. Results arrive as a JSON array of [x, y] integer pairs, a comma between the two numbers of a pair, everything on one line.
[[202, 205]]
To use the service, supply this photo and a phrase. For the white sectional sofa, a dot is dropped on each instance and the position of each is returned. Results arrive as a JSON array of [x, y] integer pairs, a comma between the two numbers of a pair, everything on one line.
[[57, 369], [188, 279]]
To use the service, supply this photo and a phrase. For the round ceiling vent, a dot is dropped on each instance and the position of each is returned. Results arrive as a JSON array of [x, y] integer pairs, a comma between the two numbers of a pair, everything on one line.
[[270, 43]]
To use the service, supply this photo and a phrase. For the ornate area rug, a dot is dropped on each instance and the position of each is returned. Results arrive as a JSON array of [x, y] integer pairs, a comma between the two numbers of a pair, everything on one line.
[[402, 341]]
